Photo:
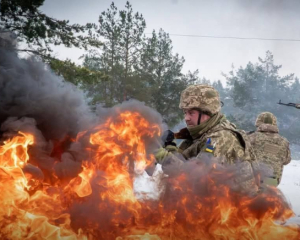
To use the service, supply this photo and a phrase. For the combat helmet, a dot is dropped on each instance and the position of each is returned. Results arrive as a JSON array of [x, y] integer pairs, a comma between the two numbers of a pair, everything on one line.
[[202, 97], [266, 118]]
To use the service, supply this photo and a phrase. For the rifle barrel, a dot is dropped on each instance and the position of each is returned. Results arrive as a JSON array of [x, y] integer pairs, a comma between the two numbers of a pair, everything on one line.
[[287, 104]]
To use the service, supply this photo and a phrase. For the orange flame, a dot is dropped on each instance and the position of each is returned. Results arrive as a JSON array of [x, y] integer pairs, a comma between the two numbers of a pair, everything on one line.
[[100, 202], [21, 215], [14, 152], [118, 150]]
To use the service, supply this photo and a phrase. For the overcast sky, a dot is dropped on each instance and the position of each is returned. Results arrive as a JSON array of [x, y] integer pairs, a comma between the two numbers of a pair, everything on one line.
[[233, 18]]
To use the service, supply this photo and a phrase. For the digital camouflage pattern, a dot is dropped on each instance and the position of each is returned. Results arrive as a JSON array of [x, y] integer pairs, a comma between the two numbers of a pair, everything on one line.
[[217, 137], [266, 118], [224, 137], [202, 97], [270, 148], [230, 146]]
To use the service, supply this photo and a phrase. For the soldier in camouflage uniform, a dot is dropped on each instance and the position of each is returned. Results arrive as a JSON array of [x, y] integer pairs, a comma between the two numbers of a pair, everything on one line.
[[270, 148], [209, 132]]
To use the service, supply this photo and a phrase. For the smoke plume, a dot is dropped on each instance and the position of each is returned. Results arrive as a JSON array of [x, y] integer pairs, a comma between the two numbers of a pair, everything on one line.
[[29, 89]]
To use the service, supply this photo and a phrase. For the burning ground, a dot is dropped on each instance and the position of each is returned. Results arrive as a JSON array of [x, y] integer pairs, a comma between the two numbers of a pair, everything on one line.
[[67, 173]]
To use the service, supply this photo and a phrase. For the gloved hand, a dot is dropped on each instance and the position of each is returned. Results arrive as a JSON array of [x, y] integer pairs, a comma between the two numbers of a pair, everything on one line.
[[270, 181], [171, 148], [162, 153], [167, 138]]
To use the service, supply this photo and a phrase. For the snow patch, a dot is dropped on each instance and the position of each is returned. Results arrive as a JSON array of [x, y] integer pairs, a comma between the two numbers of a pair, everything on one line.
[[149, 187], [290, 185]]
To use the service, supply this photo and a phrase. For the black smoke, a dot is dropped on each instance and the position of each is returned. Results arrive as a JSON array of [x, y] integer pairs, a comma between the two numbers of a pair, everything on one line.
[[28, 88]]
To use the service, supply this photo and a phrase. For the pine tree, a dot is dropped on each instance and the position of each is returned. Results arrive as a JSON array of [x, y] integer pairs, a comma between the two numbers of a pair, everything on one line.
[[40, 31], [257, 88], [161, 70], [133, 26]]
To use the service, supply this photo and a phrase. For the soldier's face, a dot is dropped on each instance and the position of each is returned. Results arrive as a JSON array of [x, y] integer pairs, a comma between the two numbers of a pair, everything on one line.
[[191, 117]]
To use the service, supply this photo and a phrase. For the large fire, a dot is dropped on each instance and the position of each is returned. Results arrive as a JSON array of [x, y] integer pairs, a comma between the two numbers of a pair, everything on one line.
[[99, 203]]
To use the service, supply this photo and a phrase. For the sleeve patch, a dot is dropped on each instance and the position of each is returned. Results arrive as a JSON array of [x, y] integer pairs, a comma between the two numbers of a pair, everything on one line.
[[209, 146]]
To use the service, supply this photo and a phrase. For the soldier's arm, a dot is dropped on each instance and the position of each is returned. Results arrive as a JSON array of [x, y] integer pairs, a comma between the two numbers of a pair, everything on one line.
[[224, 145], [228, 150]]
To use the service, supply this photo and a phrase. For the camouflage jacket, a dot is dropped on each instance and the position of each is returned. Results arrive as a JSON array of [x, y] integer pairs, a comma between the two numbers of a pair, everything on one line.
[[227, 143], [229, 146], [271, 148]]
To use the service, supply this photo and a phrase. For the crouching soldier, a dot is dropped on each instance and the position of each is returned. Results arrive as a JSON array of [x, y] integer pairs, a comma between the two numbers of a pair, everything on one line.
[[209, 132]]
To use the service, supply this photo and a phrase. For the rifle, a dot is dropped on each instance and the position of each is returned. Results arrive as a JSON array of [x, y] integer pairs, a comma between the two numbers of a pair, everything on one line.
[[296, 105]]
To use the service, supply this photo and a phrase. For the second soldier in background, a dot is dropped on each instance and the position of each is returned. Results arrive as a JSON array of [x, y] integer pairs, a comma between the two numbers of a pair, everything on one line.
[[270, 148]]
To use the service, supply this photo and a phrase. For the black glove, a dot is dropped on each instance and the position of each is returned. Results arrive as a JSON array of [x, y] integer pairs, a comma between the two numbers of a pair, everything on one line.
[[168, 138]]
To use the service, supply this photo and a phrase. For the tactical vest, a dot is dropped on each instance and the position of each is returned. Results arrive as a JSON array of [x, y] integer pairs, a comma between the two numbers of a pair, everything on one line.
[[270, 149]]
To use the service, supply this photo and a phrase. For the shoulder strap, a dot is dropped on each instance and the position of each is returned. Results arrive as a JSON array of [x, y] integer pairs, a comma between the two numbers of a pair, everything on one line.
[[244, 141]]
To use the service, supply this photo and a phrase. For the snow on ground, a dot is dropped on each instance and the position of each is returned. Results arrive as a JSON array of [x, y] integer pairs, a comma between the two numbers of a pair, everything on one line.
[[149, 187], [290, 185]]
